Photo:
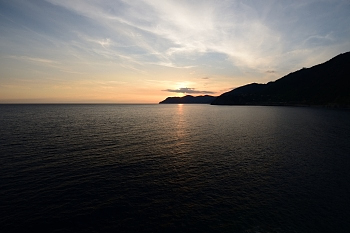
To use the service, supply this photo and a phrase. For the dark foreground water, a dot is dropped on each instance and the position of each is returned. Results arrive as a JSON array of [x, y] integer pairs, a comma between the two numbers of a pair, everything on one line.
[[174, 168]]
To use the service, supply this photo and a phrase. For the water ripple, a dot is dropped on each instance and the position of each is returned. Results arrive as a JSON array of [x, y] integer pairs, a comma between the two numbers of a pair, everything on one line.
[[157, 168]]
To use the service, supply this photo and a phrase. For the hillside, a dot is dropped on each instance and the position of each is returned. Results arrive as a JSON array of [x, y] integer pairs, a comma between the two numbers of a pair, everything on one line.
[[325, 84], [188, 99]]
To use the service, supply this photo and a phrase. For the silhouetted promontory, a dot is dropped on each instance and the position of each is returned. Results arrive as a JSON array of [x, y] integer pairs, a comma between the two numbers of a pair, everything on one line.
[[326, 84], [189, 99]]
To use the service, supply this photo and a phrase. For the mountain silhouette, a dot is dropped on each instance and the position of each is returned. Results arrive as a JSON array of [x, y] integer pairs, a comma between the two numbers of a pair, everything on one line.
[[189, 99], [326, 84]]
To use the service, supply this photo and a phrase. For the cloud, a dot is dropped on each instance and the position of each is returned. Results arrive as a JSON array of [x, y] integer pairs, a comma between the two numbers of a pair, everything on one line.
[[169, 64], [34, 59], [253, 35], [233, 36], [181, 29], [270, 71], [187, 90]]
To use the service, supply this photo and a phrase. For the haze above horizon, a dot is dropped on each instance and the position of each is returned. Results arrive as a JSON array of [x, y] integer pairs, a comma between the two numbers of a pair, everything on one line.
[[61, 51]]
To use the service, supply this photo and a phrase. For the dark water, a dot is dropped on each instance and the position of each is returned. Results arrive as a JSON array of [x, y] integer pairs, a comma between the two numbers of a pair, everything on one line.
[[174, 168]]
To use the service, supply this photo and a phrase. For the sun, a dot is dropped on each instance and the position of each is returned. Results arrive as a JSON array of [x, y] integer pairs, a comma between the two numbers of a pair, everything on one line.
[[180, 94], [180, 85], [183, 84]]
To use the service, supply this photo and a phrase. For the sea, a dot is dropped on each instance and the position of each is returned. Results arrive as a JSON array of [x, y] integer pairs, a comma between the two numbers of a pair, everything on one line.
[[174, 168]]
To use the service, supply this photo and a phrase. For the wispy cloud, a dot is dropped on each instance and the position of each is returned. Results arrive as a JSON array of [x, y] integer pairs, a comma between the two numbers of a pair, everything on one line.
[[185, 29], [34, 59], [247, 33], [169, 64], [186, 90], [47, 63]]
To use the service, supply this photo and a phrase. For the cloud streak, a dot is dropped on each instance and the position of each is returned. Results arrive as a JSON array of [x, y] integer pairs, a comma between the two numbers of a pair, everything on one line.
[[34, 59], [186, 90]]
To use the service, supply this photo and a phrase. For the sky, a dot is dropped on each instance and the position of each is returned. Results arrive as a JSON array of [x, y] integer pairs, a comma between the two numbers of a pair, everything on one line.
[[142, 51]]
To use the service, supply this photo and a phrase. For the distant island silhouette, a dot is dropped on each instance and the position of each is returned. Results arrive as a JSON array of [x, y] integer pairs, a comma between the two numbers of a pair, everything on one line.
[[189, 99], [326, 84]]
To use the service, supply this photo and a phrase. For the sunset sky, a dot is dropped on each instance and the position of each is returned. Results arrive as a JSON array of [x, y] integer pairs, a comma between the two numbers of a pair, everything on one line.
[[141, 51]]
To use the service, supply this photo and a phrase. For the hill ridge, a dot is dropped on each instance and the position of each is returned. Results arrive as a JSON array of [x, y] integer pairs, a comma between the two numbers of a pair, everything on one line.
[[327, 84]]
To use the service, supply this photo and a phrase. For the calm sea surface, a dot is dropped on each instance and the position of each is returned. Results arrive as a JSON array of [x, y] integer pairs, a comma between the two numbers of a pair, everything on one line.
[[174, 168]]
